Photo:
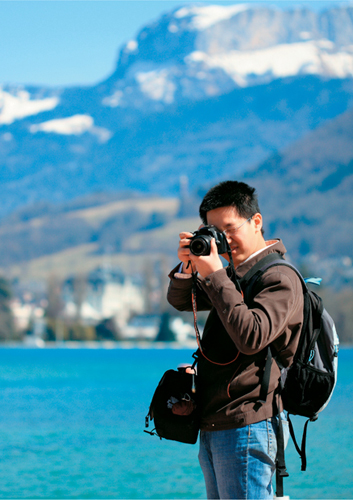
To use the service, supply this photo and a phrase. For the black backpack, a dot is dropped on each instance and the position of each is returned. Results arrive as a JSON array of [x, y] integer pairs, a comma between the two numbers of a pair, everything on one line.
[[307, 385]]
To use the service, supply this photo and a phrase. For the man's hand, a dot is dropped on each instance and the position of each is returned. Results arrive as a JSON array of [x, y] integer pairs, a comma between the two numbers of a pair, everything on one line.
[[204, 264], [183, 408], [184, 251], [207, 264]]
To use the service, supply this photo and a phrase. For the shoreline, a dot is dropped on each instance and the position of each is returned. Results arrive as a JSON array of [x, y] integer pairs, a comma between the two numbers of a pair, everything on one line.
[[109, 344]]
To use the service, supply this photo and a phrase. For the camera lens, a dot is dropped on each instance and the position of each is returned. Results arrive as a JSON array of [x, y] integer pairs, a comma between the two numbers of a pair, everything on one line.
[[200, 246]]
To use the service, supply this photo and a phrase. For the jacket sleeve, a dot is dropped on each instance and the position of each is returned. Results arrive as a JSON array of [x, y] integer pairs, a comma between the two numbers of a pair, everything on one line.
[[252, 329], [180, 294]]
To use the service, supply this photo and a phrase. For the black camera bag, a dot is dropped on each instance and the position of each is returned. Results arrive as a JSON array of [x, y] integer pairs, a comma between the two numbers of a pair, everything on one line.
[[183, 428]]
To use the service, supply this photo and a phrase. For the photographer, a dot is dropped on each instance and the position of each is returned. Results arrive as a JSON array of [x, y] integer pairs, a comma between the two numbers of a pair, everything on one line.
[[238, 428]]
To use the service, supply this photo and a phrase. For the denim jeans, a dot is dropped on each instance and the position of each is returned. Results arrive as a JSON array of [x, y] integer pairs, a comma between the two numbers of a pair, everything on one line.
[[240, 463]]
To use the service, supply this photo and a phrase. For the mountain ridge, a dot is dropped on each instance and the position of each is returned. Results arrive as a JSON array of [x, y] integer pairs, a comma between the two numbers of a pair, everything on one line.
[[314, 215], [146, 125]]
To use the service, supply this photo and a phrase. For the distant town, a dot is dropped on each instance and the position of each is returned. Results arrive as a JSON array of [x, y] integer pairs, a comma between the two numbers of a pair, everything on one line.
[[105, 305], [108, 305]]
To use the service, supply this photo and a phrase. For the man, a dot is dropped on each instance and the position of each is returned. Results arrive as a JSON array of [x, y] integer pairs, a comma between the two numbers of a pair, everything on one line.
[[238, 430]]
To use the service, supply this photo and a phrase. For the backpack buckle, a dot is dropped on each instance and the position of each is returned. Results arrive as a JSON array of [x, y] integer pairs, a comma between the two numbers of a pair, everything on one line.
[[282, 471]]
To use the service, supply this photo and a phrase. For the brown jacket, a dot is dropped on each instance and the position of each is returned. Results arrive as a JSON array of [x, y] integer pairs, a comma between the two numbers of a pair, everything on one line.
[[230, 389]]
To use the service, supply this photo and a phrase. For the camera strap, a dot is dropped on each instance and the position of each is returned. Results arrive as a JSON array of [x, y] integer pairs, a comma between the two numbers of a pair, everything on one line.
[[232, 269], [197, 331]]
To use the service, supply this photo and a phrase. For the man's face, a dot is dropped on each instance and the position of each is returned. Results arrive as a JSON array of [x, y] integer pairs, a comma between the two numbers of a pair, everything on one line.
[[243, 241]]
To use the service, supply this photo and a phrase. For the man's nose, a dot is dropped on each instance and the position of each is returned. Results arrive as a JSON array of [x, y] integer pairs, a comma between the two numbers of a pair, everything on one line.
[[228, 237]]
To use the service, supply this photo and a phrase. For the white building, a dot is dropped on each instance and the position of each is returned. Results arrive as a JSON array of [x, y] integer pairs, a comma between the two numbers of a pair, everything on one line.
[[107, 297]]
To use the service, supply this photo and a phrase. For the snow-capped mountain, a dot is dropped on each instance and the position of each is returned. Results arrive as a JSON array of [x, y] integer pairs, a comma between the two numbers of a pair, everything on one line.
[[206, 91], [204, 51]]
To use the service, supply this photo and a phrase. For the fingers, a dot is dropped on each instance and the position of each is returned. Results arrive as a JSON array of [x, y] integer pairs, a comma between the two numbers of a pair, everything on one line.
[[185, 235], [184, 241], [207, 264], [184, 250], [214, 249], [204, 265]]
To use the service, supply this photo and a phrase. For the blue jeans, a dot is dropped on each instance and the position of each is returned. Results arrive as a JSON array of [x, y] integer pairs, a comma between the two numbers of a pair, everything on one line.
[[240, 463]]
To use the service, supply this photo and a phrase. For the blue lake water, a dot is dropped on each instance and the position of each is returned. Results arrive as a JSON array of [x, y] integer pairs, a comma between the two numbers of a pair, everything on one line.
[[71, 426]]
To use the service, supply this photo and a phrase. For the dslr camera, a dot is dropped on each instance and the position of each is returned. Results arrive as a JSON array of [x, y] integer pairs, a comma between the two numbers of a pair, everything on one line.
[[200, 243]]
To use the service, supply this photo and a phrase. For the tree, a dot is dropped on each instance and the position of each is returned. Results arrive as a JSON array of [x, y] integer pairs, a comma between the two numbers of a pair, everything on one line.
[[54, 308], [165, 333], [79, 294], [7, 327]]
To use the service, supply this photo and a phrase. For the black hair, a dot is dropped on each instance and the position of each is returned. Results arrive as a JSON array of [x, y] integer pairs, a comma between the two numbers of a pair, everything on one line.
[[235, 194]]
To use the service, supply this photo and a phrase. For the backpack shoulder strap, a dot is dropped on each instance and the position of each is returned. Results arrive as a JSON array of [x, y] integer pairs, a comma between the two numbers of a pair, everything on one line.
[[259, 268], [270, 260], [247, 283]]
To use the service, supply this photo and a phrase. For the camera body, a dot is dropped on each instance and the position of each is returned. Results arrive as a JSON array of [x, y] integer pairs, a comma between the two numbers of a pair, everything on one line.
[[200, 243]]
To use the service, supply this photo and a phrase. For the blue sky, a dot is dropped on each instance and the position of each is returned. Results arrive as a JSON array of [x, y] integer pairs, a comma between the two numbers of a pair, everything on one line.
[[68, 42]]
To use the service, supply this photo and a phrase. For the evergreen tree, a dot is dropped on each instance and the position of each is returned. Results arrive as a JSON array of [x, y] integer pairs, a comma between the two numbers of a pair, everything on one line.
[[165, 333], [7, 327]]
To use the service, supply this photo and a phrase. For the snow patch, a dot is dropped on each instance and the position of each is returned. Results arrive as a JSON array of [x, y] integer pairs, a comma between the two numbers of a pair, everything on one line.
[[73, 125], [279, 61], [208, 15], [114, 100], [173, 28], [131, 46], [156, 86], [19, 105]]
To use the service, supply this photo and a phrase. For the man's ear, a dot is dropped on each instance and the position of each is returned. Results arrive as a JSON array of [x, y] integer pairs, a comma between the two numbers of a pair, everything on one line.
[[257, 218]]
